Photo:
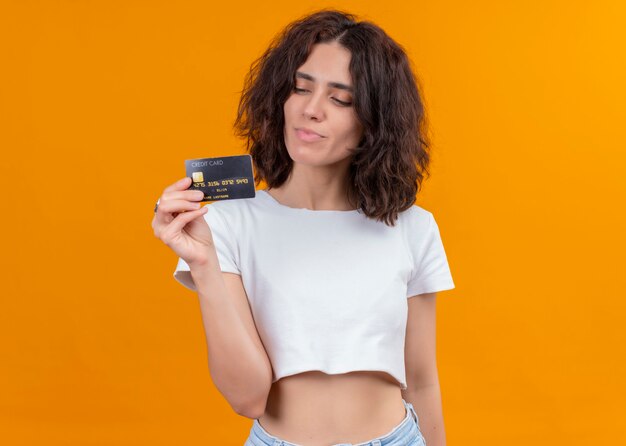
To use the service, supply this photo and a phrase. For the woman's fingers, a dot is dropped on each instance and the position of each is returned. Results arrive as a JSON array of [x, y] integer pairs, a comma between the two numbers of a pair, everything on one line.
[[176, 199], [171, 206], [168, 210], [177, 225], [181, 184], [191, 195]]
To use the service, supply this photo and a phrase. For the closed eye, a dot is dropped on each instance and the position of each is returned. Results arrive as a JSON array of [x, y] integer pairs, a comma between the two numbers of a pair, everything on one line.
[[345, 104]]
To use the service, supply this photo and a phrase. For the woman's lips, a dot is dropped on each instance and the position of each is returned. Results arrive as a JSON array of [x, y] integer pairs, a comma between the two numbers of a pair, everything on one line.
[[308, 136]]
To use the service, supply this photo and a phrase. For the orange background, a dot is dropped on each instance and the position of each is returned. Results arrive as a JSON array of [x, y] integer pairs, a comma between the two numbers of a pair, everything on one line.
[[102, 101]]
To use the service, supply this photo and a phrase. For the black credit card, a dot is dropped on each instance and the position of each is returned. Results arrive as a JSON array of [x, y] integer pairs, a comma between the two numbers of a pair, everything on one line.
[[223, 177]]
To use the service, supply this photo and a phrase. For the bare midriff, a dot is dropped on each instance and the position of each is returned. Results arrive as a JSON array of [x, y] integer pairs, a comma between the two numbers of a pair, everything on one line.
[[317, 409]]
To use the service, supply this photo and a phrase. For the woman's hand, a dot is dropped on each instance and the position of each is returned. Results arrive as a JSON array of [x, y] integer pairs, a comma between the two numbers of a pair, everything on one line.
[[179, 222]]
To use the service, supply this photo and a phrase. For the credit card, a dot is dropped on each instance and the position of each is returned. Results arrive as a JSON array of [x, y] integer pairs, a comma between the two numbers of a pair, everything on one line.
[[222, 177]]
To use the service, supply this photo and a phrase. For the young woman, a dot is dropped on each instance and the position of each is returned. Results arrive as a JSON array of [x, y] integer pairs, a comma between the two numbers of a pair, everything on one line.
[[318, 295]]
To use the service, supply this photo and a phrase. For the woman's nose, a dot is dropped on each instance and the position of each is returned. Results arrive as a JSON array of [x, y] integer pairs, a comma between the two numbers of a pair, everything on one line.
[[313, 107]]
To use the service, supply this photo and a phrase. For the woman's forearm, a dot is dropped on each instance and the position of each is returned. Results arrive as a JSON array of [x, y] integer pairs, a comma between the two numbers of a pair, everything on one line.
[[427, 404], [238, 367]]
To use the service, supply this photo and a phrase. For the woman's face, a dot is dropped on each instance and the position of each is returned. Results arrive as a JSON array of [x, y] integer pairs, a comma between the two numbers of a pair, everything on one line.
[[322, 103]]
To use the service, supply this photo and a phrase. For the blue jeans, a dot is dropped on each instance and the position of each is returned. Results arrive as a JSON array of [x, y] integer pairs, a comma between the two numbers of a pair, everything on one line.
[[407, 433]]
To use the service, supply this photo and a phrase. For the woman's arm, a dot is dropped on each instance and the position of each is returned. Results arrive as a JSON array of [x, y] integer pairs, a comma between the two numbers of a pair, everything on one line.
[[421, 368], [238, 362]]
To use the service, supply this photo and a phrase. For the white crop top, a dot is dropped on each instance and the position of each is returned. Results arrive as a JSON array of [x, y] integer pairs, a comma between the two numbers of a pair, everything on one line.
[[328, 289]]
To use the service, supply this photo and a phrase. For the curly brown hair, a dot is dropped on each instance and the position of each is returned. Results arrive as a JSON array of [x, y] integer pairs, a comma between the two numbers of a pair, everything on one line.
[[391, 161]]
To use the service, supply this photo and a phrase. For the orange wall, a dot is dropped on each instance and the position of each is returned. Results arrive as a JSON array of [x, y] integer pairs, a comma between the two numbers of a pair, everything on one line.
[[102, 101]]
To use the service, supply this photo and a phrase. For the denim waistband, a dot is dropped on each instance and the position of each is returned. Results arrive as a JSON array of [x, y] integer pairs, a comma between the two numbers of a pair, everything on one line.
[[408, 429]]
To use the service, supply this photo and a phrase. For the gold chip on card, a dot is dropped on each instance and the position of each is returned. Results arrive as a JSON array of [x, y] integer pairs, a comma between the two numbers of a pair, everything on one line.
[[197, 177]]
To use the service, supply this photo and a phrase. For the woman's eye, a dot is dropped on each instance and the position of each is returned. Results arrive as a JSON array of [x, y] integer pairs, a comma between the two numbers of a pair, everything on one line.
[[346, 104], [342, 102]]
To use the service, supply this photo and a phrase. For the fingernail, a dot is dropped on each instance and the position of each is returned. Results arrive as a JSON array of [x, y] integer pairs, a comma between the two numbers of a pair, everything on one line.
[[181, 182]]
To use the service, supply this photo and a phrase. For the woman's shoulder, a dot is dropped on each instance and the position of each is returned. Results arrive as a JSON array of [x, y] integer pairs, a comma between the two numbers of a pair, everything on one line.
[[415, 214]]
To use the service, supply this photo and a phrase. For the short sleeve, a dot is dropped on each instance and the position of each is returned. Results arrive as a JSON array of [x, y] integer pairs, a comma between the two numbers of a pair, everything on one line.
[[225, 246], [431, 272]]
